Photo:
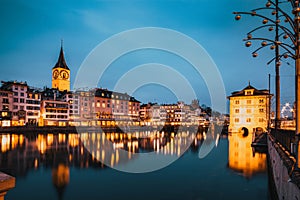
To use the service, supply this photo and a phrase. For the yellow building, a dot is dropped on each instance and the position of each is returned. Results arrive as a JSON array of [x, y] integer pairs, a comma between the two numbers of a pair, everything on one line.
[[61, 73], [249, 108]]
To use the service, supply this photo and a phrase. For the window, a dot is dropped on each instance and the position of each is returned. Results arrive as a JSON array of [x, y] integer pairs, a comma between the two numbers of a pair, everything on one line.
[[22, 100], [16, 100], [16, 93], [248, 101], [15, 107], [261, 110], [16, 87], [237, 110], [4, 100], [248, 120], [22, 94], [248, 92], [236, 120], [261, 101], [21, 107], [261, 119], [237, 102], [248, 110]]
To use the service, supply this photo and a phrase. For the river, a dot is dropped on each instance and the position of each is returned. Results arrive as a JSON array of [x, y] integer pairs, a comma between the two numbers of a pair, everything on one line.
[[185, 165]]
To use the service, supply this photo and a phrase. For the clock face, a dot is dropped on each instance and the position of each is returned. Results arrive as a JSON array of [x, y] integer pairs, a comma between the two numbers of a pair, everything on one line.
[[64, 74], [55, 74]]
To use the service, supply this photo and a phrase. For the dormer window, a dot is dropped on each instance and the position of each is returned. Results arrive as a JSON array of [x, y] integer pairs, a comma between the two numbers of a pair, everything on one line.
[[248, 92]]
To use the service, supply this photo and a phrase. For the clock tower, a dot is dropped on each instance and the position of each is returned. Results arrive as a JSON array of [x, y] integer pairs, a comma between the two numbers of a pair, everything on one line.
[[61, 73]]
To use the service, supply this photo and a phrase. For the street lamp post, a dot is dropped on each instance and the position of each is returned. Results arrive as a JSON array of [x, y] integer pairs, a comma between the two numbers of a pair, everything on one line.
[[296, 11], [291, 47]]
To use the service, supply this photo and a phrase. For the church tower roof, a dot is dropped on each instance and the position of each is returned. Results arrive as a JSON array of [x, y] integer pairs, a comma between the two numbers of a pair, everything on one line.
[[61, 62]]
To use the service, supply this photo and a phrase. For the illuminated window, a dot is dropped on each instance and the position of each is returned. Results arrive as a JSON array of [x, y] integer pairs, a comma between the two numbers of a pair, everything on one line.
[[237, 110], [98, 105], [237, 102], [248, 101], [248, 120], [236, 120]]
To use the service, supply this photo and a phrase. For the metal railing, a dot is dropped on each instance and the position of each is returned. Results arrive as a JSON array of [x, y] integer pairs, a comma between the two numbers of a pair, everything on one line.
[[285, 137]]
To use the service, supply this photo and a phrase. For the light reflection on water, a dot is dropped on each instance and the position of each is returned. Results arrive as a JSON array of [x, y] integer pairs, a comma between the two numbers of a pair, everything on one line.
[[58, 166]]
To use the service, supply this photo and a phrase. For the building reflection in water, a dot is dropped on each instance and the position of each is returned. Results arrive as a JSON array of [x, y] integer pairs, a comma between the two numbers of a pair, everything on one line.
[[61, 178], [116, 149], [50, 149], [58, 152], [242, 158]]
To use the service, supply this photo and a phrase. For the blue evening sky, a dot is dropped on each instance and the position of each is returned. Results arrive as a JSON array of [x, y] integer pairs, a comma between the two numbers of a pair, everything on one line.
[[31, 32]]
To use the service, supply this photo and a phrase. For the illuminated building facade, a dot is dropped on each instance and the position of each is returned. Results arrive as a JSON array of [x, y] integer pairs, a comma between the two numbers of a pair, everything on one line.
[[19, 90], [73, 101], [6, 99], [33, 103], [54, 109], [249, 108], [147, 112]]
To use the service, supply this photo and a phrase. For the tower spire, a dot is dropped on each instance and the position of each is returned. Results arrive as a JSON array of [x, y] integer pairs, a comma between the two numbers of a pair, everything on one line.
[[61, 62], [61, 43]]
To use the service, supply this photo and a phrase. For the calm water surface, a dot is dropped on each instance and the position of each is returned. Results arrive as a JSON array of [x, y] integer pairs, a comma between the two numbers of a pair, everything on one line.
[[58, 166]]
